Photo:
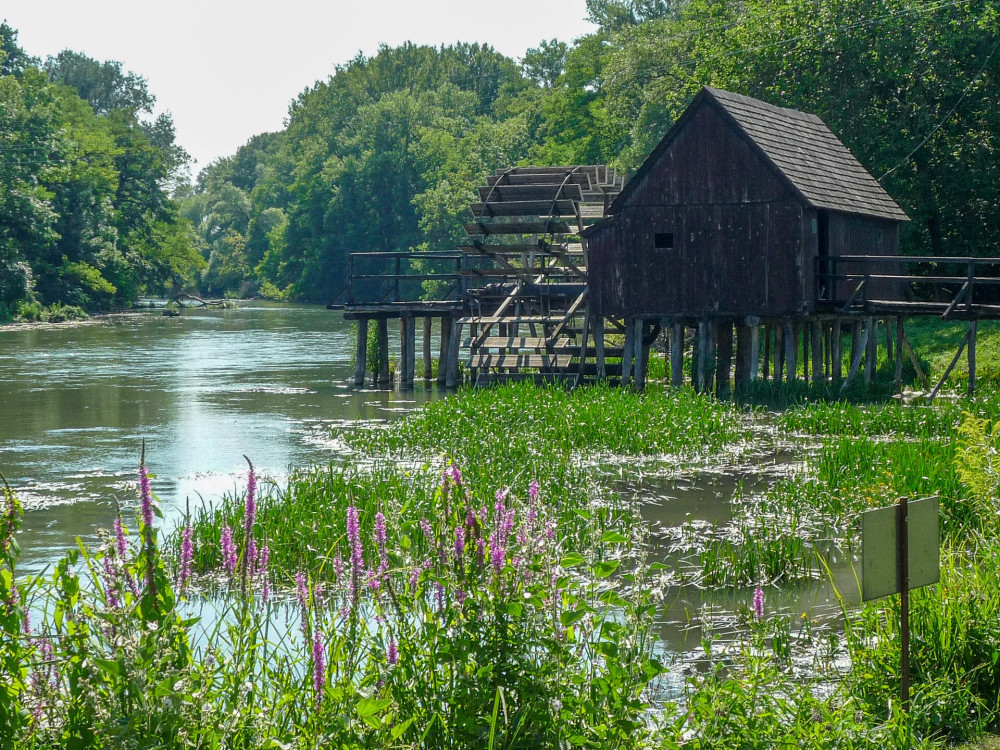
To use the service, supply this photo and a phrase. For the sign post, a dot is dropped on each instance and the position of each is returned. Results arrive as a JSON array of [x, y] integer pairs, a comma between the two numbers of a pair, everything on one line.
[[900, 550]]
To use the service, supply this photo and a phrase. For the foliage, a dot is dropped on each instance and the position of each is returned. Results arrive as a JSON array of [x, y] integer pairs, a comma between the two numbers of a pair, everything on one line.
[[85, 216]]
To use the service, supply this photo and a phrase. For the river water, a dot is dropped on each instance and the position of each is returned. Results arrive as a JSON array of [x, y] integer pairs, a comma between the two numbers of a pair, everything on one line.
[[203, 389]]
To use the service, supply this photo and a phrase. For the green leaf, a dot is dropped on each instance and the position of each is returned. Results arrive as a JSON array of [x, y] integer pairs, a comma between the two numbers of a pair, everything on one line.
[[613, 537], [367, 708], [397, 731], [572, 560], [606, 568]]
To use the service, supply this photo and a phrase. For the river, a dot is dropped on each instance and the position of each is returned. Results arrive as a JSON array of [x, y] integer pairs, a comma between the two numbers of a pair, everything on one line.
[[203, 389]]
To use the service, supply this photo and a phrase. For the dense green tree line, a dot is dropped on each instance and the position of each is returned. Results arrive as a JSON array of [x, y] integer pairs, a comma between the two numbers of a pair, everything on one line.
[[385, 154], [86, 216]]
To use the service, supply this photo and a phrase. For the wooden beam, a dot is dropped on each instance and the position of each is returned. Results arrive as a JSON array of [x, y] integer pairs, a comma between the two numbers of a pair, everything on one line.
[[924, 381], [677, 355], [454, 337], [754, 352], [791, 350], [899, 354], [871, 351], [724, 361], [767, 352], [628, 353], [382, 339], [409, 371], [857, 353], [428, 362], [779, 353], [958, 355], [599, 346], [405, 326], [972, 357], [583, 344], [446, 326], [816, 334], [743, 352], [837, 352], [361, 353], [640, 374]]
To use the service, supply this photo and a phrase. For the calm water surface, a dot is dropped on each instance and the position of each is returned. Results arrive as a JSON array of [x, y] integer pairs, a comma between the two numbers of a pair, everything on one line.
[[268, 381]]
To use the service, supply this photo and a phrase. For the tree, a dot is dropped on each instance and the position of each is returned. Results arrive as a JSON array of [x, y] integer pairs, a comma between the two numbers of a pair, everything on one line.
[[104, 85], [545, 63], [614, 15]]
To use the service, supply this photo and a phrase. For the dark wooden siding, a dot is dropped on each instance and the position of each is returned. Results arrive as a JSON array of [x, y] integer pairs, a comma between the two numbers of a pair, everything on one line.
[[744, 242], [863, 235]]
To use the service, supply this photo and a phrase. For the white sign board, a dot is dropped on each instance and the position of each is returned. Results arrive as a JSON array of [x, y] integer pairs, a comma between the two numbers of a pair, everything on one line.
[[880, 548]]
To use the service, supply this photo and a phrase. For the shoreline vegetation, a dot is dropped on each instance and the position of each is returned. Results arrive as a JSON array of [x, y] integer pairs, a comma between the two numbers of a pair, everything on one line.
[[470, 578]]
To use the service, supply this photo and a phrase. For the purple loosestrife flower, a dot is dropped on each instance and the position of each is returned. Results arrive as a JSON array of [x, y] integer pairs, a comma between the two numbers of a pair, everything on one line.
[[383, 555], [146, 497], [533, 489], [187, 553], [461, 596], [357, 552], [319, 665], [497, 552], [338, 567], [483, 514], [229, 556], [415, 577], [250, 502], [425, 526], [456, 474], [459, 543], [439, 595], [392, 653], [110, 583], [550, 529], [480, 551], [758, 603], [121, 547]]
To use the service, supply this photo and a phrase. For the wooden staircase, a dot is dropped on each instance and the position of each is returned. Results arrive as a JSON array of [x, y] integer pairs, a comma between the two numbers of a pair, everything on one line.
[[528, 295]]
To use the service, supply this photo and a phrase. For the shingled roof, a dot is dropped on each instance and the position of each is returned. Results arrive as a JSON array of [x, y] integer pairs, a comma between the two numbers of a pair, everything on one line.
[[804, 151]]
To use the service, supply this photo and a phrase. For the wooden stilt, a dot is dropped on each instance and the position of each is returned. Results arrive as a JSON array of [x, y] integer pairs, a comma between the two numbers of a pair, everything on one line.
[[724, 357], [816, 333], [428, 362], [924, 381], [857, 334], [899, 355], [791, 350], [890, 350], [454, 337], [382, 338], [754, 351], [827, 349], [677, 355], [581, 369], [858, 354], [871, 353], [805, 340], [743, 346], [779, 353], [767, 352], [837, 352], [446, 324], [973, 324], [958, 356], [640, 374], [628, 353], [710, 356], [409, 372], [599, 346], [405, 365], [361, 353]]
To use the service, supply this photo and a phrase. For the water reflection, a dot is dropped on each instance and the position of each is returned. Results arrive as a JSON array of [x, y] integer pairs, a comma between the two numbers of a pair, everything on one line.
[[265, 380]]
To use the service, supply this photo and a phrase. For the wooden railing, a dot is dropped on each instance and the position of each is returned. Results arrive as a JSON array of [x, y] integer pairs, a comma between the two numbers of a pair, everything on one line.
[[857, 287], [380, 277]]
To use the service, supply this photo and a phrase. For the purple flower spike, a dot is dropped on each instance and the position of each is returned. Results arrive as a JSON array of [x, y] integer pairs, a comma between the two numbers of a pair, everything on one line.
[[380, 541], [302, 592], [357, 552], [250, 504], [146, 497], [533, 489], [120, 545], [459, 543], [187, 553], [392, 653], [497, 552], [456, 474], [319, 666], [758, 603], [229, 556]]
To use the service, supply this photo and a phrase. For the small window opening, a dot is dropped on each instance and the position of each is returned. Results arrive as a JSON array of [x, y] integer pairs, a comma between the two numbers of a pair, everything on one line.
[[663, 240]]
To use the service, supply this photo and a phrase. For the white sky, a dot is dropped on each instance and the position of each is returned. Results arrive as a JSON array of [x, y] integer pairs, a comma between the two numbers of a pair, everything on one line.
[[228, 70]]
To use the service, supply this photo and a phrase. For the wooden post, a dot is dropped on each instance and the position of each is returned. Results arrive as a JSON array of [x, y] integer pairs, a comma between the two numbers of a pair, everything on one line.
[[361, 353], [871, 354], [710, 355], [405, 333], [816, 333], [958, 356], [754, 352], [677, 355], [628, 352], [791, 350], [702, 362], [802, 334], [582, 368], [767, 352], [903, 570], [889, 348], [640, 374], [446, 325], [599, 346], [382, 338], [724, 347], [900, 335], [779, 352], [428, 362], [859, 351], [837, 352], [972, 357], [856, 336], [409, 371], [743, 347], [454, 339]]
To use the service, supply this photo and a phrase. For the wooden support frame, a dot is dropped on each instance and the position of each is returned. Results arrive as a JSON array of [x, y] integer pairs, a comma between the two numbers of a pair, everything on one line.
[[677, 355], [599, 347], [361, 353], [954, 361], [382, 340], [639, 381], [858, 352], [816, 334], [428, 361]]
